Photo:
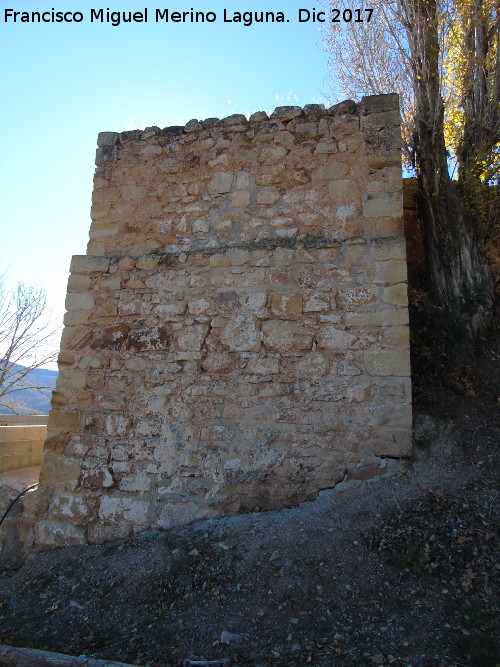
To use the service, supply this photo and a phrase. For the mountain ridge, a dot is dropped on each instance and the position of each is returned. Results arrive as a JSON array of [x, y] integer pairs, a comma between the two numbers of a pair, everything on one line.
[[30, 400]]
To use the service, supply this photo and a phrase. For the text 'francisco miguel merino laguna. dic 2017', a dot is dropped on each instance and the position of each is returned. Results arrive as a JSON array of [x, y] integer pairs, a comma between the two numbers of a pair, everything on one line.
[[246, 18], [115, 18]]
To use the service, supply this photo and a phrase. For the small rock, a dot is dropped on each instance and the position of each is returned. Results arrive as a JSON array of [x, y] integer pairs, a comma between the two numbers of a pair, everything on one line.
[[75, 604], [230, 638]]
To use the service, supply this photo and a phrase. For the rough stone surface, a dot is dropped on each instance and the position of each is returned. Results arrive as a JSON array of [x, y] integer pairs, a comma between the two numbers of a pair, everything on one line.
[[237, 334]]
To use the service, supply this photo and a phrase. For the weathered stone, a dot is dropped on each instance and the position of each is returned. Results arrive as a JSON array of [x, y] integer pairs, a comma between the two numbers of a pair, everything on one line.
[[59, 470], [171, 311], [396, 295], [346, 107], [221, 182], [79, 301], [240, 199], [226, 301], [379, 103], [147, 263], [79, 283], [95, 477], [282, 336], [69, 505], [66, 358], [193, 126], [113, 338], [268, 195], [382, 206], [100, 230], [317, 303], [364, 472], [390, 272], [107, 138], [331, 172], [59, 533], [263, 365], [126, 264], [72, 378], [312, 109], [287, 305], [388, 248], [356, 296], [237, 256], [198, 306], [192, 337], [258, 116], [240, 334], [394, 442], [148, 338], [64, 420], [211, 122], [377, 318], [136, 364], [218, 363], [335, 339], [343, 190], [117, 424], [397, 336], [395, 363], [110, 283], [105, 154], [201, 225], [89, 264], [286, 113], [235, 119], [172, 130], [116, 509], [312, 364]]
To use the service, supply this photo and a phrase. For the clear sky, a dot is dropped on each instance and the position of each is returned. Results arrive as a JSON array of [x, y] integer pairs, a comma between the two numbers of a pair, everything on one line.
[[63, 83]]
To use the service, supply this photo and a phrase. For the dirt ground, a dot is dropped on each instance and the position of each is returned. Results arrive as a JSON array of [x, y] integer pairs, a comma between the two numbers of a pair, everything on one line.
[[400, 571]]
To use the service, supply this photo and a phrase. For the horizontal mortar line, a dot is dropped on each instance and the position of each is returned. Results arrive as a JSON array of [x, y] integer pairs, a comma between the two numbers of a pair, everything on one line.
[[261, 244]]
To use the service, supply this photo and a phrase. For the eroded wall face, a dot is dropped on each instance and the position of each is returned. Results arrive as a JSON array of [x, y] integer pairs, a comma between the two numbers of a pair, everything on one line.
[[237, 336]]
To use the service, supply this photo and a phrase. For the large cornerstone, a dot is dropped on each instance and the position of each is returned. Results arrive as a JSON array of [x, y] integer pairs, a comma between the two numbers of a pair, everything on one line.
[[237, 335]]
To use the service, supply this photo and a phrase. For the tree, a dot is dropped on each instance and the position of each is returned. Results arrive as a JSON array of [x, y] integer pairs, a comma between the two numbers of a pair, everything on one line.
[[442, 56], [26, 337]]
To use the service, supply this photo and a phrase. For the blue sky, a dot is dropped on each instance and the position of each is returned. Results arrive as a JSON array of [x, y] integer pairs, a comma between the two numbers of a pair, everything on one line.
[[63, 83]]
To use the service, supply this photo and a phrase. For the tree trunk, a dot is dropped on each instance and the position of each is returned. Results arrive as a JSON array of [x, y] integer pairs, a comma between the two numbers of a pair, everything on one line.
[[460, 277]]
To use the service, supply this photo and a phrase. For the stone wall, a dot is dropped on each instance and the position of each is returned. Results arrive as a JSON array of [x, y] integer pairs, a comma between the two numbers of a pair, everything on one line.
[[237, 335]]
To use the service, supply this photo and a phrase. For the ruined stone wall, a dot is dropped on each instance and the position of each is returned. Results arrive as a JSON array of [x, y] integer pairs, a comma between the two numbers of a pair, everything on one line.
[[237, 336]]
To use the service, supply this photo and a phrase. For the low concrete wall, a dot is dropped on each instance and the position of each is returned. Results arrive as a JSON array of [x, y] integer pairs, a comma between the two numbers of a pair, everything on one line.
[[24, 420], [21, 446]]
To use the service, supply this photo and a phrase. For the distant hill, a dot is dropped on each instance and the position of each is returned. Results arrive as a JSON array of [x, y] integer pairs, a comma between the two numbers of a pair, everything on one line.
[[31, 401]]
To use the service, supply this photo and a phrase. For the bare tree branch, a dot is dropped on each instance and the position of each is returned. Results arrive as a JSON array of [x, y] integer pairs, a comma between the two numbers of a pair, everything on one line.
[[27, 340]]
